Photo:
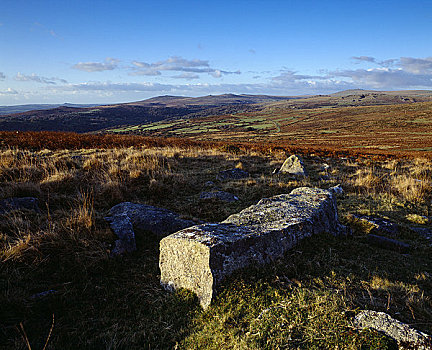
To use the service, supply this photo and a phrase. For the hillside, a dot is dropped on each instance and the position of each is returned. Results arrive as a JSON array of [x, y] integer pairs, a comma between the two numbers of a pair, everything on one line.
[[98, 118], [404, 127], [61, 286]]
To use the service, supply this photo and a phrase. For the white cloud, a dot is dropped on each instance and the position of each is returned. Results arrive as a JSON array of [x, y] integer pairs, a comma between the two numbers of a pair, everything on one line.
[[186, 75], [8, 91], [108, 64], [39, 79], [177, 64]]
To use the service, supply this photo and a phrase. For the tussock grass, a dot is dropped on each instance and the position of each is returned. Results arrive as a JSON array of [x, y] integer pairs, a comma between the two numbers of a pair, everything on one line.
[[305, 300]]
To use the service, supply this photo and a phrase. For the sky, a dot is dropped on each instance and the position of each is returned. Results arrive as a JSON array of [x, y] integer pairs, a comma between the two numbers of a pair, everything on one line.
[[121, 51]]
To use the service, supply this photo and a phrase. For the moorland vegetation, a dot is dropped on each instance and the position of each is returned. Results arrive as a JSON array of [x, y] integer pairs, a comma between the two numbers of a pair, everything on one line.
[[305, 300]]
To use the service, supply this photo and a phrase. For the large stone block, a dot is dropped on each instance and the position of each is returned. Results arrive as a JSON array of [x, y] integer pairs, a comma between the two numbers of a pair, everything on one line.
[[200, 257]]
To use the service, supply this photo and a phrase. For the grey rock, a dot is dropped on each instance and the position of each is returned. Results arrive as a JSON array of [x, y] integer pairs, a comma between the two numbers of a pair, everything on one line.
[[406, 336], [200, 257], [219, 195], [232, 174], [380, 226], [126, 219], [15, 203], [336, 189], [293, 165], [209, 184], [121, 225], [388, 243]]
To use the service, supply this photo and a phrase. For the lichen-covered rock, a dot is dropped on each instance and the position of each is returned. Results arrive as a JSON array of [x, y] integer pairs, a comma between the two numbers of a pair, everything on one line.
[[293, 165], [219, 195], [405, 336], [15, 203], [127, 218], [232, 174], [200, 257]]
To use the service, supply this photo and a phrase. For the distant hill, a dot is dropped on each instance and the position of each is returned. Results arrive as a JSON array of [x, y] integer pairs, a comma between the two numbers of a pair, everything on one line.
[[92, 118], [6, 110]]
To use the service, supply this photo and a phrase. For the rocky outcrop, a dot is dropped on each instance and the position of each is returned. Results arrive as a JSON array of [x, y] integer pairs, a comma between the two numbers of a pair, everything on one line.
[[127, 218], [405, 336], [293, 165], [219, 195], [200, 257], [15, 203], [232, 174]]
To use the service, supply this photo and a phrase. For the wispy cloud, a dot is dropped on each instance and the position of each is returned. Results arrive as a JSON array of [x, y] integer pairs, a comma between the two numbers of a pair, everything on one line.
[[8, 91], [402, 73], [177, 64], [39, 79], [40, 26], [108, 64], [2, 76], [186, 75]]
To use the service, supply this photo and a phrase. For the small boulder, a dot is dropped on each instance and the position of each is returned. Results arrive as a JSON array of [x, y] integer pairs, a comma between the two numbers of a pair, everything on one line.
[[27, 203], [219, 195], [388, 243], [232, 174], [127, 218], [336, 189], [209, 184], [406, 336], [293, 165], [380, 226], [200, 257]]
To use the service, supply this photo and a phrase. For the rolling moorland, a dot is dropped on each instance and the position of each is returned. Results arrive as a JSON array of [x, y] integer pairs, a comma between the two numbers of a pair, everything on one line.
[[376, 147]]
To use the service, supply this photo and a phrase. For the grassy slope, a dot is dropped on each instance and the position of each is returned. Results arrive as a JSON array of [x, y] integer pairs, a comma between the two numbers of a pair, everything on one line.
[[396, 128], [305, 300]]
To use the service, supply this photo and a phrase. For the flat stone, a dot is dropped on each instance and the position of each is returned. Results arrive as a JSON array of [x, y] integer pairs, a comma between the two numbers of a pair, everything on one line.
[[15, 203], [388, 243], [293, 165], [200, 257], [232, 174], [406, 336], [126, 219], [381, 226], [219, 195]]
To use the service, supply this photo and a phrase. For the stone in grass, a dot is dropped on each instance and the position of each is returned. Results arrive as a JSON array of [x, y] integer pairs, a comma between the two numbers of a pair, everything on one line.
[[388, 243], [127, 218], [232, 174], [219, 195], [200, 257], [15, 203], [406, 336], [293, 165], [380, 226], [336, 189]]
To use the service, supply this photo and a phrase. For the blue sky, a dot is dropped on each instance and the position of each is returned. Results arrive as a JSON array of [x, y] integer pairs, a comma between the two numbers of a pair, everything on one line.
[[118, 51]]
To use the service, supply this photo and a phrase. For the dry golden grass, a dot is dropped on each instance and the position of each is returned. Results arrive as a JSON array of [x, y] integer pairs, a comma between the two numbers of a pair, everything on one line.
[[118, 303]]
